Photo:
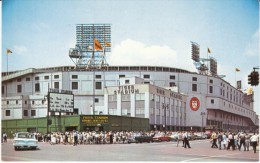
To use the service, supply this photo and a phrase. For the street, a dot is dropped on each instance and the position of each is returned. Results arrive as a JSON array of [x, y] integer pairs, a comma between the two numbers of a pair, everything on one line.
[[200, 151]]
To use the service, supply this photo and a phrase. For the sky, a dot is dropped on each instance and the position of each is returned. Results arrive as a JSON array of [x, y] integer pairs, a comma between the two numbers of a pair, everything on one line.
[[144, 32]]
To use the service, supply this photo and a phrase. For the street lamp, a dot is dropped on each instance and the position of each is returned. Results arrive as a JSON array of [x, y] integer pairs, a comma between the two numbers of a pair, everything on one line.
[[202, 115], [165, 106]]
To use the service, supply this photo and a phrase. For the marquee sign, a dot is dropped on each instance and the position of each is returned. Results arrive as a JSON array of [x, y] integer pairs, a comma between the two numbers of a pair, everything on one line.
[[194, 103]]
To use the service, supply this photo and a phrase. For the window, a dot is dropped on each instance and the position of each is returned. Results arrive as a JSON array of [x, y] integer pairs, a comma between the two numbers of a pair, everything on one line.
[[19, 80], [7, 113], [98, 76], [194, 87], [56, 76], [210, 89], [172, 84], [74, 85], [74, 76], [211, 81], [212, 101], [25, 113], [172, 77], [46, 77], [127, 82], [25, 102], [146, 76], [121, 76], [139, 96], [33, 112], [57, 85], [37, 78], [28, 79], [32, 102], [125, 97], [16, 102], [19, 88], [194, 78], [37, 87], [7, 102], [75, 111], [98, 85], [96, 100], [3, 89]]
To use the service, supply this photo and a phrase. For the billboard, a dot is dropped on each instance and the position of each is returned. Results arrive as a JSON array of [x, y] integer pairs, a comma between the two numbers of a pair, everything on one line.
[[61, 101]]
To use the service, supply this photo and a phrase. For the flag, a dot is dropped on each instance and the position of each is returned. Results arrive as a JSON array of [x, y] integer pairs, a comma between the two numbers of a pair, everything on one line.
[[8, 51], [108, 44], [209, 50], [249, 91], [237, 69], [97, 45]]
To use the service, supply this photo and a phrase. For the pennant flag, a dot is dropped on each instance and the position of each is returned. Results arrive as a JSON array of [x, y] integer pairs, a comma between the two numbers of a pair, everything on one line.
[[8, 51], [209, 50], [108, 44], [97, 45], [237, 69]]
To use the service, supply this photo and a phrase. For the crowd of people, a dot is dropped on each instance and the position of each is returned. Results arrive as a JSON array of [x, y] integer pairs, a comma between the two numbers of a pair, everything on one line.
[[234, 140], [219, 140]]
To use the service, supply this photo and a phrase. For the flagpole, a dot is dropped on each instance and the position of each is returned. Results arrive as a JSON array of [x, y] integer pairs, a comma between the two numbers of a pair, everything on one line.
[[208, 59], [6, 69]]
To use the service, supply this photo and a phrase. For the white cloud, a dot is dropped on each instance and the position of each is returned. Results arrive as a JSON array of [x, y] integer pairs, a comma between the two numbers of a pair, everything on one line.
[[131, 52], [20, 49], [252, 48]]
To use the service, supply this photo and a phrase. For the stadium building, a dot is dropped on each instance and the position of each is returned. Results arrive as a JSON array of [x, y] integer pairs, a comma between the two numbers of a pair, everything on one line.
[[171, 98]]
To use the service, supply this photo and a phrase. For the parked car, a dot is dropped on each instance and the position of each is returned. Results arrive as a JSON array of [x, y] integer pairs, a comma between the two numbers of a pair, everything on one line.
[[161, 137], [199, 135], [25, 140], [143, 138], [131, 139], [174, 136]]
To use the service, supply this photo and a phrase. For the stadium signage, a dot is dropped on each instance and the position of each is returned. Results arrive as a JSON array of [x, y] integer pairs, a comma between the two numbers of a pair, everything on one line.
[[127, 89], [94, 120], [194, 103], [60, 100]]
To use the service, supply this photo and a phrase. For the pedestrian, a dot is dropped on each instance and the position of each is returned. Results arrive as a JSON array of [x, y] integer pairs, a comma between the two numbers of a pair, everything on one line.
[[179, 138], [236, 141], [111, 137], [225, 141], [220, 139], [186, 141], [5, 137], [214, 140], [231, 141], [247, 141], [242, 140], [254, 140], [75, 136]]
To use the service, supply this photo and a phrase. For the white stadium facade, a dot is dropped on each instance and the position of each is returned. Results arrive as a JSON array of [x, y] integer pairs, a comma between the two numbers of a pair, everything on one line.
[[171, 98]]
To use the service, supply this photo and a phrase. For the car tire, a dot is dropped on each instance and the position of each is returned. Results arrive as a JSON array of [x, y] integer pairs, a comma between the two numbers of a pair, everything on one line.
[[15, 148]]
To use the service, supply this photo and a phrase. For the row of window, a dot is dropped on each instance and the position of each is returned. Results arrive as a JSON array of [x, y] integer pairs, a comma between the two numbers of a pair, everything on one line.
[[25, 113], [37, 78]]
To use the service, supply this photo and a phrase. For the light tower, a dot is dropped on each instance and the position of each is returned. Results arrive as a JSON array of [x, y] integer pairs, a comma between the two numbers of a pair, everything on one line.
[[92, 43]]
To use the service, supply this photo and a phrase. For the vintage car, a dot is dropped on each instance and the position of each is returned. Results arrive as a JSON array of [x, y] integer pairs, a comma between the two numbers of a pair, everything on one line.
[[25, 140], [174, 136], [161, 137], [143, 138]]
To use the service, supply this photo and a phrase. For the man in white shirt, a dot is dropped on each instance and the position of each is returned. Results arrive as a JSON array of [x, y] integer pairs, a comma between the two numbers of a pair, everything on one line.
[[254, 140]]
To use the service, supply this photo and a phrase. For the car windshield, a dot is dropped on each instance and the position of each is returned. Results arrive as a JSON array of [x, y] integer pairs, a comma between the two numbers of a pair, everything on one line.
[[25, 135]]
